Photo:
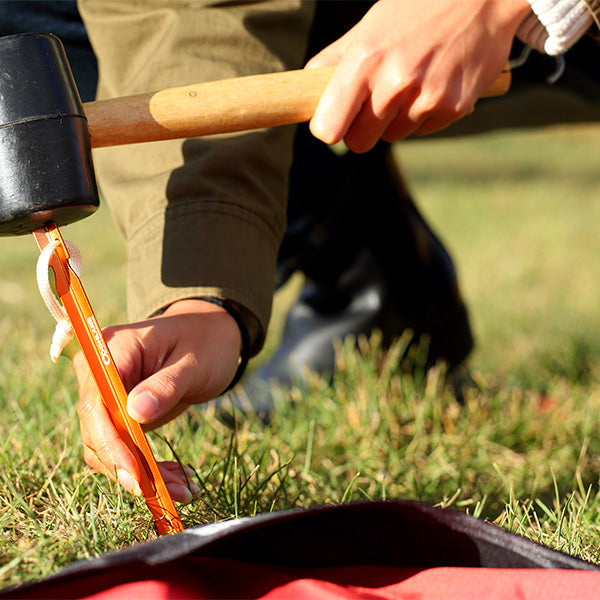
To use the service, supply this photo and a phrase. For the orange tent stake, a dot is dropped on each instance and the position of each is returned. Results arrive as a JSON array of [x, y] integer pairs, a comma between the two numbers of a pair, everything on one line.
[[94, 347]]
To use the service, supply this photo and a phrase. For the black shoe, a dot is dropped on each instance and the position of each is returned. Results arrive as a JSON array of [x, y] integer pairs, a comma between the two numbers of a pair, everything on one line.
[[357, 303], [360, 303], [370, 262]]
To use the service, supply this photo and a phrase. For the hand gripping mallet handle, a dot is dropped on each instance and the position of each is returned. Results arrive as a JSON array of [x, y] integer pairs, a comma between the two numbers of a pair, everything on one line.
[[96, 352], [225, 106]]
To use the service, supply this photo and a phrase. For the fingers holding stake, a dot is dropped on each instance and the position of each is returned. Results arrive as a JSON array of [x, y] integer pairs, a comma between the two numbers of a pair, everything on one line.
[[103, 449]]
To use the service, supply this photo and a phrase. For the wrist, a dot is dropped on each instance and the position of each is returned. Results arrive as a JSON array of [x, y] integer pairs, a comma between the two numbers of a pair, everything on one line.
[[208, 304]]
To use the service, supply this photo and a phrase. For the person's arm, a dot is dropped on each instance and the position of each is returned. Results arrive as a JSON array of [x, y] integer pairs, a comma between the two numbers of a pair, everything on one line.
[[414, 67]]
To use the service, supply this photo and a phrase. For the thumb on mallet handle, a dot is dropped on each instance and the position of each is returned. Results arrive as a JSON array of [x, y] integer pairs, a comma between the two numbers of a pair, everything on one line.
[[224, 106]]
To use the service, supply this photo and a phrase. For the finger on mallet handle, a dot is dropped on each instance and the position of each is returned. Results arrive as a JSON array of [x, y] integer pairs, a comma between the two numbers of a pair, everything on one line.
[[225, 106]]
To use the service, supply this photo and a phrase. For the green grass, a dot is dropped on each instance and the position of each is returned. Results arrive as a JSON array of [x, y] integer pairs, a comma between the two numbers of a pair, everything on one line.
[[520, 215], [518, 212]]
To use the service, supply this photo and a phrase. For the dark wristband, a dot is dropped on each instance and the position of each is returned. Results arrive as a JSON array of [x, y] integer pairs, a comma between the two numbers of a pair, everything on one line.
[[245, 350]]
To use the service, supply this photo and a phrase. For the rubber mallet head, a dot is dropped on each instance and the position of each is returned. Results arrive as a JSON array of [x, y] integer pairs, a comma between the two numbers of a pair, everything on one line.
[[46, 171]]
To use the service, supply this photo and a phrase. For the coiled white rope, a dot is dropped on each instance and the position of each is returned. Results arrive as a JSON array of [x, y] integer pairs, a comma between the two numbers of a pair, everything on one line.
[[63, 333]]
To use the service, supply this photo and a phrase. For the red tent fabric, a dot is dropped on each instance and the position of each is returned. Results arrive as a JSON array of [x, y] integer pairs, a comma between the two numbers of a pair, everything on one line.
[[373, 550], [215, 579]]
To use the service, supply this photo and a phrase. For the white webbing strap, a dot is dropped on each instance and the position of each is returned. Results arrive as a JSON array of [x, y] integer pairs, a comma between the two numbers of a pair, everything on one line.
[[63, 333]]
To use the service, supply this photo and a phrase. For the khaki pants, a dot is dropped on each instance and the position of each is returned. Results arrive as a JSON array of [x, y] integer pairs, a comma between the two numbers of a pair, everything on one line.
[[200, 216]]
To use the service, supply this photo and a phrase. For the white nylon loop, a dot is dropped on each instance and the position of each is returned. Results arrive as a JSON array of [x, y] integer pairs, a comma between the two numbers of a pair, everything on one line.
[[63, 333]]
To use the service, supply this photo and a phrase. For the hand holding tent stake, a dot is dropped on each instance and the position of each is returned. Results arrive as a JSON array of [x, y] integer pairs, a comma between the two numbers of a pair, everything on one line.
[[73, 297]]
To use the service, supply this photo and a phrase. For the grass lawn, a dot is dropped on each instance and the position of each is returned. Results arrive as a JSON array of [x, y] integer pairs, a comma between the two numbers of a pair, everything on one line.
[[519, 213]]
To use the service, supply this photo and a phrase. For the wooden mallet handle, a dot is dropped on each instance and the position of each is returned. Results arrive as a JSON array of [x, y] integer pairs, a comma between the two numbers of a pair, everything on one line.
[[224, 106]]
